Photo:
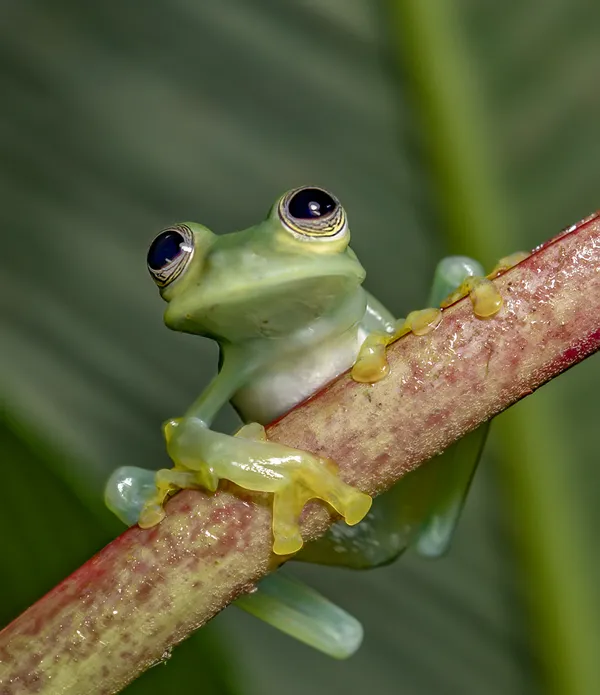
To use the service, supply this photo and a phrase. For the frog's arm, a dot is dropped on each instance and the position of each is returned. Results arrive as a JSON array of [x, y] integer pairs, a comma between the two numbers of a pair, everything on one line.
[[423, 509], [129, 488], [285, 604], [377, 318], [235, 367]]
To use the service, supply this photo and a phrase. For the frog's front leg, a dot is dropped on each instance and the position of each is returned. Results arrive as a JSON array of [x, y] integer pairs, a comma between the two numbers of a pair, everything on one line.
[[202, 457], [253, 463]]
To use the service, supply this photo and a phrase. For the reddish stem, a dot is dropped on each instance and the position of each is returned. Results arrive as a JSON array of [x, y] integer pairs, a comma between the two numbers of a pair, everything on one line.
[[149, 589]]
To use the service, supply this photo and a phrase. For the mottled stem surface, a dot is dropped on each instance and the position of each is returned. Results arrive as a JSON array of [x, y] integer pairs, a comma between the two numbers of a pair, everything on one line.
[[149, 589]]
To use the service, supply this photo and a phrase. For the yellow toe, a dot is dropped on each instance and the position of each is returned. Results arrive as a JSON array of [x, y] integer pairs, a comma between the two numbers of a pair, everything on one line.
[[357, 508], [151, 515], [288, 545]]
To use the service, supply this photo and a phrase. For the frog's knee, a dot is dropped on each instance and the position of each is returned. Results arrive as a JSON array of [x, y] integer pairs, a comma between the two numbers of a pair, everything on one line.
[[127, 491]]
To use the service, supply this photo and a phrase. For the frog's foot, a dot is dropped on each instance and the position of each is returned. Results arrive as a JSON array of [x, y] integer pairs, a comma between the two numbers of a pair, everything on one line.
[[485, 298], [137, 495], [507, 263], [460, 276], [127, 491], [166, 482], [318, 479], [253, 463], [371, 364], [313, 483], [301, 612]]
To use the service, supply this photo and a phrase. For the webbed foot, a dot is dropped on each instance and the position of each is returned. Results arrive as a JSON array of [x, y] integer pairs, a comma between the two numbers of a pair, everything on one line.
[[203, 457], [127, 491], [166, 482], [289, 502], [371, 364], [317, 478]]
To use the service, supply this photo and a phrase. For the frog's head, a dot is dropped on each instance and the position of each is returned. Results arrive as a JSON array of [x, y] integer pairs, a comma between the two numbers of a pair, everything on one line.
[[265, 281]]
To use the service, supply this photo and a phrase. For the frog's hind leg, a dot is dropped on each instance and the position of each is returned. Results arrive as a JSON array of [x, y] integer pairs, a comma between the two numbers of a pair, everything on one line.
[[301, 612], [454, 469]]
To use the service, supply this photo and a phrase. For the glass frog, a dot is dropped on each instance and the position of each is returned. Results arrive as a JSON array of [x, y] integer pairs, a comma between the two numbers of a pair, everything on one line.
[[284, 301]]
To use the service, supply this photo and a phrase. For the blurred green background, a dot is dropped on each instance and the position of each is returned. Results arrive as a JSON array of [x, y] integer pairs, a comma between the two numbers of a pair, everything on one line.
[[469, 127]]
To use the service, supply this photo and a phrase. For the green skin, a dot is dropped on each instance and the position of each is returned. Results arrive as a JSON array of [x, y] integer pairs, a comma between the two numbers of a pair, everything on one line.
[[284, 300]]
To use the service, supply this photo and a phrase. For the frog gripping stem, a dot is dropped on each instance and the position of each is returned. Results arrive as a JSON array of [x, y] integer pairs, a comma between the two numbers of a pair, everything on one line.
[[149, 589], [253, 463], [315, 482]]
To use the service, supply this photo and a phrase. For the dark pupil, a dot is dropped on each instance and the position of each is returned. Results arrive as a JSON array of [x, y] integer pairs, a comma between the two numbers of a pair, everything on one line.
[[164, 249], [311, 202]]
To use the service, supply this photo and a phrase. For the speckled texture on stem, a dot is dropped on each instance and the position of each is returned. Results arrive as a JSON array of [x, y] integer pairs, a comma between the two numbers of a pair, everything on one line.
[[148, 589]]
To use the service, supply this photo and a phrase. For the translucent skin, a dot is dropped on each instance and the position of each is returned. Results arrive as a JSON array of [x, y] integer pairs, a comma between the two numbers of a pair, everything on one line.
[[289, 314], [250, 461]]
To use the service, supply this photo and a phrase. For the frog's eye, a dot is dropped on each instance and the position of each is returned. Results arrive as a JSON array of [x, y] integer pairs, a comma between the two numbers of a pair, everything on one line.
[[169, 254], [313, 214]]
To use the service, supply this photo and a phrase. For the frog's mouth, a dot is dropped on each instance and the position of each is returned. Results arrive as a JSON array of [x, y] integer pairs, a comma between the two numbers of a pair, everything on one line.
[[276, 307], [268, 306]]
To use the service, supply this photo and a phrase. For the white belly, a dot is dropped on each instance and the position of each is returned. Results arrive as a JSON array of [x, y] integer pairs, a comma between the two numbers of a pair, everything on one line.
[[294, 378]]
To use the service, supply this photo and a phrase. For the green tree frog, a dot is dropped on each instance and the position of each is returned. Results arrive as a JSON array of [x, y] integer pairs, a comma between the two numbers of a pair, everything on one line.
[[284, 301]]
